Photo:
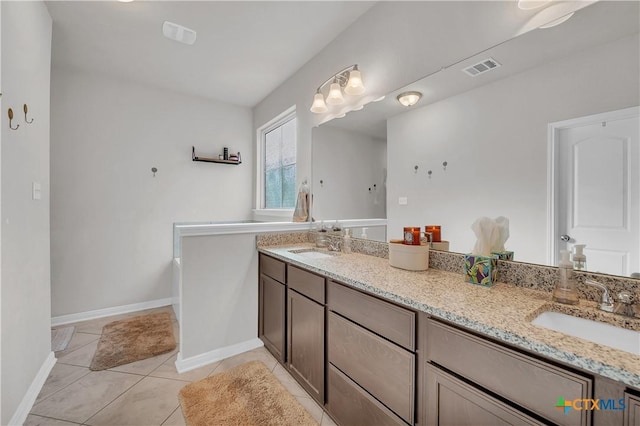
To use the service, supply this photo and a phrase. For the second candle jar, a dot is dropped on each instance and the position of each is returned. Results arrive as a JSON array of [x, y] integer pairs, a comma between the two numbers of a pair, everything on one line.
[[434, 230]]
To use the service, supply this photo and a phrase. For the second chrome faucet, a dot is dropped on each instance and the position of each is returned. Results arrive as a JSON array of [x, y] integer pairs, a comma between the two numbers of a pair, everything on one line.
[[623, 305]]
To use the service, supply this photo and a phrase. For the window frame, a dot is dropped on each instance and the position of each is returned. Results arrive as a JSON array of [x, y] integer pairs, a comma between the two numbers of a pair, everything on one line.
[[282, 118]]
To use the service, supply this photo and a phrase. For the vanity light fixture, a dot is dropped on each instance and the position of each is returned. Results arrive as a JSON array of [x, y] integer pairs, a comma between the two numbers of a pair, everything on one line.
[[348, 80], [409, 98], [557, 22]]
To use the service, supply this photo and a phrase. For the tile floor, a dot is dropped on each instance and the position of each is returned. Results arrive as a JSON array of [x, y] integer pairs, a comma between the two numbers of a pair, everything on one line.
[[143, 393]]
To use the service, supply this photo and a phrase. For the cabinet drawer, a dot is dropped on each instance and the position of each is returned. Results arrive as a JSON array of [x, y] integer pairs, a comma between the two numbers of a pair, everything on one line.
[[382, 368], [351, 405], [393, 322], [454, 402], [311, 285], [528, 382], [273, 268]]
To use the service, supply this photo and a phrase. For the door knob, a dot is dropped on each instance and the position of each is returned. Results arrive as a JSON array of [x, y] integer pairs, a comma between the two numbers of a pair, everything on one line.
[[565, 238]]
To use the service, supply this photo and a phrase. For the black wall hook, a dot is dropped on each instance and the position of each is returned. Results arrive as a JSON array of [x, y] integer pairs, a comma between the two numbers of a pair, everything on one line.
[[26, 109], [10, 113]]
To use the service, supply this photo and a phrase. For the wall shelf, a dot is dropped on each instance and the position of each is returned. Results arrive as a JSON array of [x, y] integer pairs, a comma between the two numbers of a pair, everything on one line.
[[211, 160]]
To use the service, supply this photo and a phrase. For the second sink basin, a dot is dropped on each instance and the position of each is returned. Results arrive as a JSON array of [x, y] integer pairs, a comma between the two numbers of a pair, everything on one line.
[[594, 331], [313, 253]]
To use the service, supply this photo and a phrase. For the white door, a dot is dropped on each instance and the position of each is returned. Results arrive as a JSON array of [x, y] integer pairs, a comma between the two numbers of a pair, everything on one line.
[[599, 191]]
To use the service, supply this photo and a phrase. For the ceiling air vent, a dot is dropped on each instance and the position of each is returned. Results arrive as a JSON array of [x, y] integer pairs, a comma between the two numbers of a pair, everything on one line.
[[482, 67], [178, 33]]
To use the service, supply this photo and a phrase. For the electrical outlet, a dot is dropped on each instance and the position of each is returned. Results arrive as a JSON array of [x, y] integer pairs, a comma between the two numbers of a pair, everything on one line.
[[403, 201]]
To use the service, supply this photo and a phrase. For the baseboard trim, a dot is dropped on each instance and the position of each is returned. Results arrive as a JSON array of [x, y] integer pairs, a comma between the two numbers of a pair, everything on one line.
[[25, 406], [107, 312], [191, 363]]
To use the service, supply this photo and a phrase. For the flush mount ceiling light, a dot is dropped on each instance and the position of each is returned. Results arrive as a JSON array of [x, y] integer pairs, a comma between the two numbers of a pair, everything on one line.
[[348, 80], [178, 33], [409, 98], [558, 21]]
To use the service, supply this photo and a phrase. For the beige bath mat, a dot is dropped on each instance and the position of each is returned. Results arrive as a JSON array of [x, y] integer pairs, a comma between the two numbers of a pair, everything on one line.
[[245, 395], [133, 339]]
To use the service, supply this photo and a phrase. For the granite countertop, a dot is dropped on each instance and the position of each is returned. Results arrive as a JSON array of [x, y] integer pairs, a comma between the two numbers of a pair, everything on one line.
[[503, 311]]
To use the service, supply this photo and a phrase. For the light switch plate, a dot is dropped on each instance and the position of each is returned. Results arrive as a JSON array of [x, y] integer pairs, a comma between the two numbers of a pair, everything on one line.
[[403, 201]]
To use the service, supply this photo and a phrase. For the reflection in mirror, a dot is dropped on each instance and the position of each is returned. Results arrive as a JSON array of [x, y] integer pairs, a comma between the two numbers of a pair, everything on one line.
[[349, 176], [493, 131]]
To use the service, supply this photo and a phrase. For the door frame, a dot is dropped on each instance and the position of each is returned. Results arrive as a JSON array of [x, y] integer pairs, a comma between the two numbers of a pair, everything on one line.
[[553, 130]]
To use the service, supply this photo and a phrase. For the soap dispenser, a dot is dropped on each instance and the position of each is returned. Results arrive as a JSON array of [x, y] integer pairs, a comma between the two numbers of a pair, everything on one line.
[[364, 234], [579, 259], [566, 291], [346, 241]]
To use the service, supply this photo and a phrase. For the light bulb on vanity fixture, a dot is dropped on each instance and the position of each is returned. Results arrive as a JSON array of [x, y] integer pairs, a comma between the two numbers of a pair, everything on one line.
[[354, 85], [335, 94], [409, 98], [348, 80], [319, 106]]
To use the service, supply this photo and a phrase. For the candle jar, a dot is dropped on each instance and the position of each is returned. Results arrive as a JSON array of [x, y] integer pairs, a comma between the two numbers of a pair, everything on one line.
[[434, 230], [412, 235]]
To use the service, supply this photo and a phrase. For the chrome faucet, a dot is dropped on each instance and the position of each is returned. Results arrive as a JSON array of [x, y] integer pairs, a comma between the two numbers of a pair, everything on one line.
[[606, 302]]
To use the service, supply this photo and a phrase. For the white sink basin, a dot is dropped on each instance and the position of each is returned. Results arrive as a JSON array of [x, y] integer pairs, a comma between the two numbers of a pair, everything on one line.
[[312, 253], [594, 331]]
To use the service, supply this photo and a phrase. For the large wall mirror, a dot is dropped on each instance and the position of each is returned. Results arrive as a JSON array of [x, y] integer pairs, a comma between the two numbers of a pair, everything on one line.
[[501, 134]]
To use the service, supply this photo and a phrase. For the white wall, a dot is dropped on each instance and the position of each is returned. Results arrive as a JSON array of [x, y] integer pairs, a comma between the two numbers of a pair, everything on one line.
[[396, 43], [25, 292], [495, 141], [111, 220], [219, 307], [348, 163]]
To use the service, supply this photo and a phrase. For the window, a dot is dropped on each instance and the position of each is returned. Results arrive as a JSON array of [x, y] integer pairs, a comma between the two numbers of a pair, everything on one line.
[[278, 163]]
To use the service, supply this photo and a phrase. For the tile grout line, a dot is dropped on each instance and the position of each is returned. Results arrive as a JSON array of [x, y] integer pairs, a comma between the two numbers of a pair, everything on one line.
[[64, 387], [111, 402], [54, 418], [171, 414]]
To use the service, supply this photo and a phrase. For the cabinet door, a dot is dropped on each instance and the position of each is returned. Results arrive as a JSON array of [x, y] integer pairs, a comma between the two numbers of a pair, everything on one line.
[[632, 410], [452, 402], [271, 326], [306, 343]]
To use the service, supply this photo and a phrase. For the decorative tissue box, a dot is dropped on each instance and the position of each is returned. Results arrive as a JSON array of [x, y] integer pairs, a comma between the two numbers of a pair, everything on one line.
[[503, 255], [481, 270]]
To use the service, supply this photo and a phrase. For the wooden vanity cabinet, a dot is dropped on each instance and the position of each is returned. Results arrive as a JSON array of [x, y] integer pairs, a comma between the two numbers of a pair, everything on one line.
[[306, 330], [502, 375], [366, 366], [272, 306], [369, 361]]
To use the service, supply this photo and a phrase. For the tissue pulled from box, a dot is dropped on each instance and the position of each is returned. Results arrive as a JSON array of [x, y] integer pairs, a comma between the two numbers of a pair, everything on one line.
[[491, 234]]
